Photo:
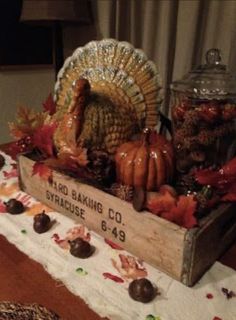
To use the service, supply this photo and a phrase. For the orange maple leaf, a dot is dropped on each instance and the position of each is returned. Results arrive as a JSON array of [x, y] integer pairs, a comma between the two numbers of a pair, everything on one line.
[[37, 208], [162, 202], [8, 190], [183, 213], [43, 138], [129, 267], [44, 172]]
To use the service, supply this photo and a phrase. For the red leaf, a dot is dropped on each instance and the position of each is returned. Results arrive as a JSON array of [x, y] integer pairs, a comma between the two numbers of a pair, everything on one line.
[[207, 177], [49, 105], [183, 212], [162, 202], [229, 169], [11, 174], [43, 138], [43, 171], [230, 196], [221, 178], [112, 277], [209, 296], [113, 245], [2, 207]]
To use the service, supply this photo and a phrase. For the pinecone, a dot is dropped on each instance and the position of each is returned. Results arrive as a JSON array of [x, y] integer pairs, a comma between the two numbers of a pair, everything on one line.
[[122, 191], [190, 143], [189, 129], [191, 117], [101, 167], [206, 137], [181, 134]]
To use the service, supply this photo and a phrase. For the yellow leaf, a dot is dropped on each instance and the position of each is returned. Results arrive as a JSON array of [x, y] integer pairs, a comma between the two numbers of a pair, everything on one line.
[[37, 208], [8, 190]]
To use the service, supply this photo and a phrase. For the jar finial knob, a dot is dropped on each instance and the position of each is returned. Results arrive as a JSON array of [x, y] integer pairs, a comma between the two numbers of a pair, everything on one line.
[[213, 57]]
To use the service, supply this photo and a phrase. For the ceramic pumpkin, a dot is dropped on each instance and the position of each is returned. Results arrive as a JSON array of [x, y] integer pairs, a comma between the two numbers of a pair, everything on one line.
[[145, 164]]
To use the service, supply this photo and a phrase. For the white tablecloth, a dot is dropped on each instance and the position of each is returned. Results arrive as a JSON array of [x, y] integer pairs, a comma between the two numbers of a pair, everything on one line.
[[102, 280]]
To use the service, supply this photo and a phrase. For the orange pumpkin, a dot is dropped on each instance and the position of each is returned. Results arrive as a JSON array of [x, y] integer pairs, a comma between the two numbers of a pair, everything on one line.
[[143, 164]]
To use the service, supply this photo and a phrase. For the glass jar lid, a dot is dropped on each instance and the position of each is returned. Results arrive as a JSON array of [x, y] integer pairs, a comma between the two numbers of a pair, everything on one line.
[[208, 81]]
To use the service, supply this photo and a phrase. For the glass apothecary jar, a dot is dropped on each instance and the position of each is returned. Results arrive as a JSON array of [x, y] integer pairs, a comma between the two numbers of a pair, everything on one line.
[[203, 108]]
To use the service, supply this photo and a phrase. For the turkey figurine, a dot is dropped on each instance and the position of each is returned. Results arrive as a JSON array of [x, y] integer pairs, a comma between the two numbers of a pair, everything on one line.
[[91, 121], [106, 92]]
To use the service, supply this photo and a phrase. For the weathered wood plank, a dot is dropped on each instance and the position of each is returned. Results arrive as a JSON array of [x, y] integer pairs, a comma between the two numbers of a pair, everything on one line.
[[151, 238], [183, 254]]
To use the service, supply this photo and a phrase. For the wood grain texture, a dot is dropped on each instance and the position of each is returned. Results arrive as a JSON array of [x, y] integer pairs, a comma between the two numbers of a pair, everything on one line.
[[216, 234]]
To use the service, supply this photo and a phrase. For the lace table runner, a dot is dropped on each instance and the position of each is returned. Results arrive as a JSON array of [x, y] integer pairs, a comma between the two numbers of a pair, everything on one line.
[[102, 280]]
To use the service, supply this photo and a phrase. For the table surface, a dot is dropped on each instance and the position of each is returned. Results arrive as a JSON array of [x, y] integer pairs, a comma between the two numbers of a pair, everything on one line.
[[24, 280]]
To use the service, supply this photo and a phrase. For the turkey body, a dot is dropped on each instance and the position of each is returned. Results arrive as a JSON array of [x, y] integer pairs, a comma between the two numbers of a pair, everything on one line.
[[105, 125]]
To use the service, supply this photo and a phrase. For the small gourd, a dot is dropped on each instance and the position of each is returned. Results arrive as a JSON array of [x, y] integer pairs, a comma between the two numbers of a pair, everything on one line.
[[146, 165]]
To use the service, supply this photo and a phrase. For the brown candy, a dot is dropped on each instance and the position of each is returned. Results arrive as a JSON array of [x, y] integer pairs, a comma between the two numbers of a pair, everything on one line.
[[2, 161], [14, 206], [80, 248], [142, 290], [42, 223]]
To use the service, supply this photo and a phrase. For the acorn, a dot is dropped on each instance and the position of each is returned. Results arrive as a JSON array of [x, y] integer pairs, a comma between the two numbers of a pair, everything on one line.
[[142, 290], [80, 248], [14, 206], [42, 223], [2, 161]]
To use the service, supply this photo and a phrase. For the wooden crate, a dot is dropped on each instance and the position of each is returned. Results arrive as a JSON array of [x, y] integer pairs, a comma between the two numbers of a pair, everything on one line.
[[183, 254]]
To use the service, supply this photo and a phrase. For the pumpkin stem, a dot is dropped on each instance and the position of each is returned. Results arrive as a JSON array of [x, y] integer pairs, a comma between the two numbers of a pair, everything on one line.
[[146, 135]]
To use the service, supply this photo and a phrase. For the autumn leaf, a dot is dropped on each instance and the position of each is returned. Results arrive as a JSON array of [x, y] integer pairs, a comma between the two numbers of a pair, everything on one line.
[[43, 171], [230, 193], [16, 131], [112, 277], [8, 190], [37, 208], [208, 177], [10, 174], [49, 105], [113, 245], [129, 267], [43, 138], [27, 120], [3, 208], [178, 210], [183, 213], [161, 202], [221, 178]]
